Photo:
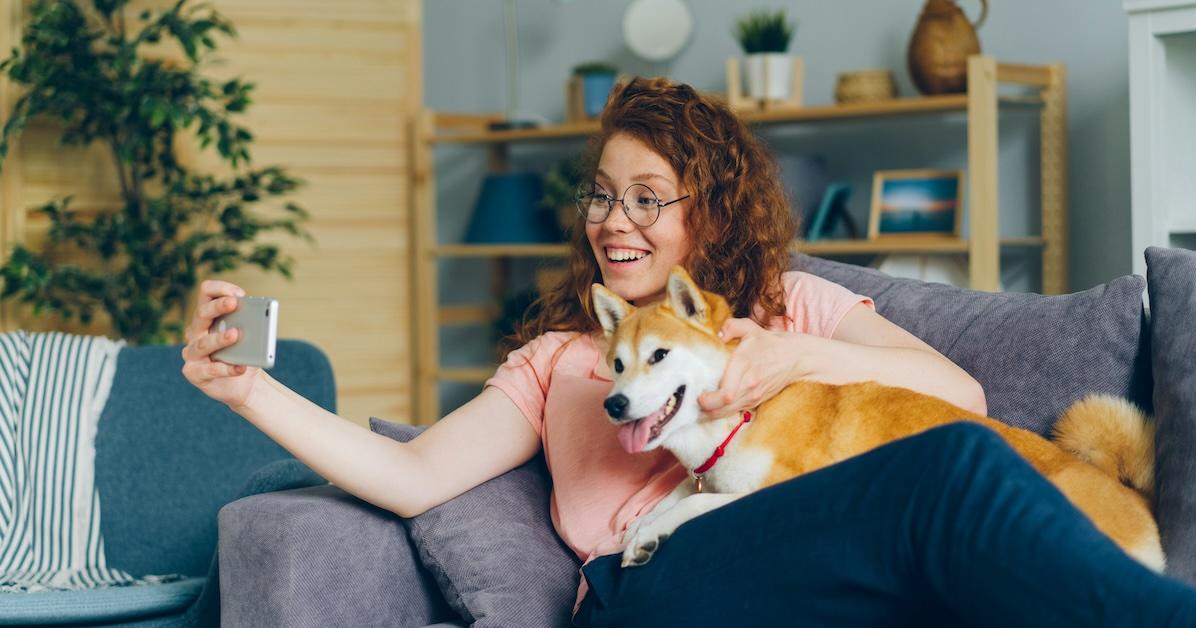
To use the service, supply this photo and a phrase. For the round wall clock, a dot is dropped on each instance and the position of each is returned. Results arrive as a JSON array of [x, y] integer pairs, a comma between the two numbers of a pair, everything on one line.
[[657, 30]]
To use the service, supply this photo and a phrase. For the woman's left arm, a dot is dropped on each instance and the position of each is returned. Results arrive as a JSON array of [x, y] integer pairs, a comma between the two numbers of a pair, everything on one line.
[[865, 346]]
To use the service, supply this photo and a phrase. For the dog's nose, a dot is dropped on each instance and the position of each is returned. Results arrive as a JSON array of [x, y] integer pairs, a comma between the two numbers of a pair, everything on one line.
[[616, 405]]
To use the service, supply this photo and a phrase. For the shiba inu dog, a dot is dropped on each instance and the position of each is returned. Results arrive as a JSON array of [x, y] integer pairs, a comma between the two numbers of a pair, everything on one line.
[[665, 354]]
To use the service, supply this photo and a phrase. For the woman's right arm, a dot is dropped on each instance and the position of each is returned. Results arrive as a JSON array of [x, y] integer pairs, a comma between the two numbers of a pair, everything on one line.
[[476, 442], [482, 439]]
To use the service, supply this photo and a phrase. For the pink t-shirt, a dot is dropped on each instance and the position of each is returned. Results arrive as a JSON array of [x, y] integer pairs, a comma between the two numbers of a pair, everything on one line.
[[559, 381]]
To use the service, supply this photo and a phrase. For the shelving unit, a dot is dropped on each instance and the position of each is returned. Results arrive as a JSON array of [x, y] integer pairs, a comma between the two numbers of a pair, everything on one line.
[[1162, 49], [982, 245]]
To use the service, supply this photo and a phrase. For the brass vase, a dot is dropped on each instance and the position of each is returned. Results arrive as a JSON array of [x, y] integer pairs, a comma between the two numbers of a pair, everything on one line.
[[940, 46]]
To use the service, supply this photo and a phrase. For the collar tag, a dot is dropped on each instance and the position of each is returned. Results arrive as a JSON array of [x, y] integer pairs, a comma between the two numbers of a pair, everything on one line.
[[744, 417]]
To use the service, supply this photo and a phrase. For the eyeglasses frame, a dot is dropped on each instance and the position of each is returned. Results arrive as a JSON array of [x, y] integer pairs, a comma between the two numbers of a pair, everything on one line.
[[610, 204]]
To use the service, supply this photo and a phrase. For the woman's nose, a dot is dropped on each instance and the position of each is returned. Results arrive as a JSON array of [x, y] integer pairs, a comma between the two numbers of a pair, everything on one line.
[[617, 221]]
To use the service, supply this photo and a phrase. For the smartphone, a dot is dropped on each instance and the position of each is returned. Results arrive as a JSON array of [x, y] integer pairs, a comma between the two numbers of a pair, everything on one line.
[[257, 320]]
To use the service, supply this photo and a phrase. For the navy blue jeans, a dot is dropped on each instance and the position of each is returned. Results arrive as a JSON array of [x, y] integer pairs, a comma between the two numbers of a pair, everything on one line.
[[949, 527]]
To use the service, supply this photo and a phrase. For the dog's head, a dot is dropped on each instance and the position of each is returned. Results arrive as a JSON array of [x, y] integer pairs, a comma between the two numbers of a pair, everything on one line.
[[662, 356]]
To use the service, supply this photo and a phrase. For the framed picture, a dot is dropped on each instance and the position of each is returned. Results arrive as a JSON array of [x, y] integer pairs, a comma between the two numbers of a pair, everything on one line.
[[916, 203], [832, 210]]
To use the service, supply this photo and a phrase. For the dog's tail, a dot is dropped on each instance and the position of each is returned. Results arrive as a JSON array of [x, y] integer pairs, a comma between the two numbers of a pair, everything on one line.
[[1113, 435]]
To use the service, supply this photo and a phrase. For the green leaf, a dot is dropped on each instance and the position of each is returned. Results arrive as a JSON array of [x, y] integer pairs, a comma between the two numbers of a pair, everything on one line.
[[157, 115], [92, 81]]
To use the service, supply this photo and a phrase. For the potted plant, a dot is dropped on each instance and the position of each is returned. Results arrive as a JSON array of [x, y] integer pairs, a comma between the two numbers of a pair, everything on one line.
[[597, 78], [101, 72], [764, 36], [560, 192]]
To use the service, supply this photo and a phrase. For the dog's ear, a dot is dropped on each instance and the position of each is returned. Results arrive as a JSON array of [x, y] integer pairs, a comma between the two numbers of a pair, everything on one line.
[[610, 308], [686, 298]]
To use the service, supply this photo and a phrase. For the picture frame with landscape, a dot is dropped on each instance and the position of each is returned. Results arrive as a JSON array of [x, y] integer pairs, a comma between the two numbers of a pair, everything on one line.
[[916, 203]]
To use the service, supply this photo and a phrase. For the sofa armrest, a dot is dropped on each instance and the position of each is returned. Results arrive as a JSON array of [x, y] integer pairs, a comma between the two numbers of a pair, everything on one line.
[[318, 556]]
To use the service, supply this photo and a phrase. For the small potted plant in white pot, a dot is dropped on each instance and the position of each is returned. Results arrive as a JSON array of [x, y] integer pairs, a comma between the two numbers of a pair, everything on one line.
[[764, 36]]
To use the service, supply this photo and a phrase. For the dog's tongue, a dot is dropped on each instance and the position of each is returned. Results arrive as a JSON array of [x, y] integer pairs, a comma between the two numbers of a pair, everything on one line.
[[633, 436]]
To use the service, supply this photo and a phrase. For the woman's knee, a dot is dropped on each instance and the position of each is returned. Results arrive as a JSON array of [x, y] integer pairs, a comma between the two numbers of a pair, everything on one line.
[[963, 435], [965, 444]]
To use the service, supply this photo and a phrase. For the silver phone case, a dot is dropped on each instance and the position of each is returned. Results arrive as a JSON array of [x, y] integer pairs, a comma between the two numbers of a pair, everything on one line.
[[257, 320]]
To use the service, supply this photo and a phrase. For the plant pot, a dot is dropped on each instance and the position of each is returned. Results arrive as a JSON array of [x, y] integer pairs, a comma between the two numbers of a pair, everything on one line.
[[567, 217], [769, 76], [595, 88]]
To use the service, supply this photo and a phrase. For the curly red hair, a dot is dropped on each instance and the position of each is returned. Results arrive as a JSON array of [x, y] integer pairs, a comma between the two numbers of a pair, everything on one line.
[[740, 226]]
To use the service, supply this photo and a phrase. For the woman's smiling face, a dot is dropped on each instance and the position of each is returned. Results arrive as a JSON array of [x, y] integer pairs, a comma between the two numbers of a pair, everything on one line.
[[634, 260]]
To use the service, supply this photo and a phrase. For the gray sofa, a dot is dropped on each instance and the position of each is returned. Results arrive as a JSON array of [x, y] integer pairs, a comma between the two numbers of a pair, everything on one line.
[[319, 557], [167, 458]]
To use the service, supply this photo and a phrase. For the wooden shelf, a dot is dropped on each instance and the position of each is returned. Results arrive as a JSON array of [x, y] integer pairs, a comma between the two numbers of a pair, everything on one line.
[[467, 314], [902, 245], [819, 247], [981, 108], [896, 107], [500, 250], [469, 375]]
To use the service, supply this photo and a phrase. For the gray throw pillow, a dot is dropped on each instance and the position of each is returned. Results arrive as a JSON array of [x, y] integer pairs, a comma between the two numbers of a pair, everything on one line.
[[492, 549], [1033, 354], [1171, 280]]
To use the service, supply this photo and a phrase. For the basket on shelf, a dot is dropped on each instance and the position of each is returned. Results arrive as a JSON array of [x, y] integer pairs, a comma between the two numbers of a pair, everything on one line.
[[865, 86]]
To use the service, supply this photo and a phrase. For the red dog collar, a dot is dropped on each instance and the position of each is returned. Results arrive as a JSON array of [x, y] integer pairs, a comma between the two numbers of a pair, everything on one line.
[[745, 417]]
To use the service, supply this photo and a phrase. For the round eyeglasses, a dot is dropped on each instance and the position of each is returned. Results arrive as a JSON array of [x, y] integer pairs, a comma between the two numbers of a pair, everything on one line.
[[640, 203]]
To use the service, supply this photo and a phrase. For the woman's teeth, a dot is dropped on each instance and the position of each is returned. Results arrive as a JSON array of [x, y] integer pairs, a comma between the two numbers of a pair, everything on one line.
[[625, 255]]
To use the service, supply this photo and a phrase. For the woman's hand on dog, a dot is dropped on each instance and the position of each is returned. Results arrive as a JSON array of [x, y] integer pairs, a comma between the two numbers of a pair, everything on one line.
[[761, 366], [221, 381]]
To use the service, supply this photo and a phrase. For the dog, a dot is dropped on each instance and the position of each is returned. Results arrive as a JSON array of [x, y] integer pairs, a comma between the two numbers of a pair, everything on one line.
[[664, 355]]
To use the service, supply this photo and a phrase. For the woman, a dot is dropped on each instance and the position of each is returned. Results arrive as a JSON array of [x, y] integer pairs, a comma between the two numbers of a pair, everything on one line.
[[947, 526]]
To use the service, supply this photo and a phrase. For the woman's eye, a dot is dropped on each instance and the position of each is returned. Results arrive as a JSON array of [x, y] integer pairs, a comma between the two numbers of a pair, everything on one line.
[[658, 355], [618, 365]]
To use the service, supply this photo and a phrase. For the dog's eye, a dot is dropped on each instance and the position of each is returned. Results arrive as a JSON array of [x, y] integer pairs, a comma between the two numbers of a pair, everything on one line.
[[658, 355], [618, 365]]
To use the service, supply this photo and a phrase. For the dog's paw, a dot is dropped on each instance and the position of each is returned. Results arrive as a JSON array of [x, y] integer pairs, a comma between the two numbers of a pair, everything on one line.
[[643, 545], [639, 522]]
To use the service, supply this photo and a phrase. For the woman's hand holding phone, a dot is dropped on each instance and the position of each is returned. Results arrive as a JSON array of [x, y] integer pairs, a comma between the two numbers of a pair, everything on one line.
[[228, 383]]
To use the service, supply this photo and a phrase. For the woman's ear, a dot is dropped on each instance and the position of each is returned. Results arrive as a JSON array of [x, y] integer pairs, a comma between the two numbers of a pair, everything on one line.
[[610, 308], [686, 298]]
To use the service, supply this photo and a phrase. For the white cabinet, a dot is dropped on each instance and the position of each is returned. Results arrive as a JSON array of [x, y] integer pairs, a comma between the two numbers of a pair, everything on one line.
[[1162, 46]]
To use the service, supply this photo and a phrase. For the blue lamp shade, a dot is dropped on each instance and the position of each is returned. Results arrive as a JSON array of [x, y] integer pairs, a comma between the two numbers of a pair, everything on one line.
[[509, 211]]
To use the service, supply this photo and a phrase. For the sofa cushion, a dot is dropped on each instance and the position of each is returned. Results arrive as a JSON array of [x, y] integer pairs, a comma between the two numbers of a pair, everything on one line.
[[1033, 354], [168, 457], [1171, 277], [319, 556], [108, 604], [492, 549]]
